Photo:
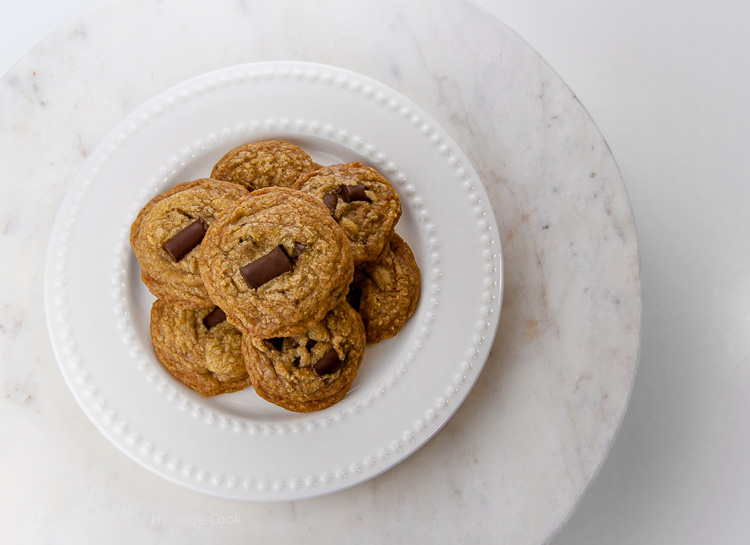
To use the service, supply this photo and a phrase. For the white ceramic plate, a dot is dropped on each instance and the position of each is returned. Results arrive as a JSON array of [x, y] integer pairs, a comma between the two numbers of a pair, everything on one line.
[[237, 445]]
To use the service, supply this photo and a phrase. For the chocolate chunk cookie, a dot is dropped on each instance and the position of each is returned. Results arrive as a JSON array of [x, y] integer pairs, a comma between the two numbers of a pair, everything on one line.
[[167, 231], [199, 348], [276, 262], [267, 163], [312, 370], [386, 292], [364, 203]]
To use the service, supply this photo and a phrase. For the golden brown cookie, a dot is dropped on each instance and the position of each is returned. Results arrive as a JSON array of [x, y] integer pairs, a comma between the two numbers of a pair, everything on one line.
[[386, 292], [310, 371], [167, 232], [267, 163], [364, 203], [276, 262], [198, 348]]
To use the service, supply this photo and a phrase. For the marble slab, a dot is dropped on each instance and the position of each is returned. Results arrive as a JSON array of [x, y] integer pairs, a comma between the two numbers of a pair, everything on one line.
[[515, 459]]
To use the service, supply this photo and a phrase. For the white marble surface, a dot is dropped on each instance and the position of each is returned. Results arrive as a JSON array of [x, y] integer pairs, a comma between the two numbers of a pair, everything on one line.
[[667, 84], [513, 462]]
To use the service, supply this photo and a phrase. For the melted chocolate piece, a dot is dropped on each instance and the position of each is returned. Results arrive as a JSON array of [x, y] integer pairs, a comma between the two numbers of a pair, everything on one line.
[[330, 200], [351, 193], [273, 264], [214, 318], [329, 363], [299, 248], [180, 245]]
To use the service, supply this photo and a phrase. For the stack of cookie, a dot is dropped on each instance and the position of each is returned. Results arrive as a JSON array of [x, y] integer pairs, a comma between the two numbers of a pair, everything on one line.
[[275, 273]]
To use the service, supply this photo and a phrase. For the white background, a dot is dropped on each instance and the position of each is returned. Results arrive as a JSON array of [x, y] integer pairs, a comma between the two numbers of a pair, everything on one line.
[[668, 83]]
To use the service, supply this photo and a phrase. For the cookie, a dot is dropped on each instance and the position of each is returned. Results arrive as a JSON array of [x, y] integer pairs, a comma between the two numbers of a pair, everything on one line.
[[198, 348], [362, 201], [276, 262], [312, 370], [386, 292], [268, 163], [167, 232]]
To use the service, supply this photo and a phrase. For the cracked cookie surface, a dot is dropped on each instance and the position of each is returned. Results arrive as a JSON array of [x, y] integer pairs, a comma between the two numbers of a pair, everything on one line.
[[207, 360], [281, 225], [163, 217], [361, 200], [266, 163], [312, 370]]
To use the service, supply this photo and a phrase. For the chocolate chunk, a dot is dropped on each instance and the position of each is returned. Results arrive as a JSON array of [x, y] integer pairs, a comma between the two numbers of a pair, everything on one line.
[[214, 318], [273, 264], [274, 343], [329, 363], [330, 200], [180, 245], [299, 248], [351, 193], [310, 344]]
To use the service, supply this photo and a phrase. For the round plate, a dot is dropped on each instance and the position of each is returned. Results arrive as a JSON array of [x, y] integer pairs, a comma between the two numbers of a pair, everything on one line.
[[237, 445]]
